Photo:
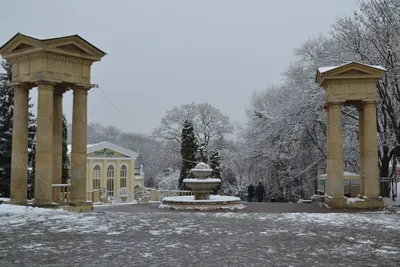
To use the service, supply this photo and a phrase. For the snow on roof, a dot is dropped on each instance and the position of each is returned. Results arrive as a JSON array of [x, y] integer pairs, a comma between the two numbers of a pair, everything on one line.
[[345, 174], [69, 148], [326, 69], [107, 145]]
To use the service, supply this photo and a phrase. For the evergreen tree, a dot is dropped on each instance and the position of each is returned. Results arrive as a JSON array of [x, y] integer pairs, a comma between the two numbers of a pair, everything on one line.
[[6, 124], [31, 152], [6, 114], [31, 174], [188, 151], [65, 159], [203, 153], [215, 164]]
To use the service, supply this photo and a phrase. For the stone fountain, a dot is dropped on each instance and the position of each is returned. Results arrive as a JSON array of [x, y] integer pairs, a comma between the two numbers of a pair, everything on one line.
[[202, 186]]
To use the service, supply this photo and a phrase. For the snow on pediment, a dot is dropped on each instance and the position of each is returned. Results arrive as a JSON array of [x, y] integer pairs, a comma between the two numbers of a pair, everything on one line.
[[108, 150], [347, 70]]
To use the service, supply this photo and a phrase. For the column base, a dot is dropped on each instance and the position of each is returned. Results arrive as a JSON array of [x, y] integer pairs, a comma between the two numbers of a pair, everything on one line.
[[79, 206], [18, 202], [363, 202], [336, 202], [44, 203]]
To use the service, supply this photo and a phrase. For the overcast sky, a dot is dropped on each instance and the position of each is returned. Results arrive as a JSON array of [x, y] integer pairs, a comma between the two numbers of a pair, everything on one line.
[[161, 54]]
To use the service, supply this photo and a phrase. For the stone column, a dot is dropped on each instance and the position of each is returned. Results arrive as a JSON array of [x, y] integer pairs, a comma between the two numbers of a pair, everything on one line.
[[361, 147], [328, 151], [371, 171], [335, 151], [44, 145], [57, 135], [19, 157], [79, 146]]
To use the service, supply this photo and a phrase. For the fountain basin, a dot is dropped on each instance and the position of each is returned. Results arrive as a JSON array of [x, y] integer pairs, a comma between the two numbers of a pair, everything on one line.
[[202, 187], [213, 203]]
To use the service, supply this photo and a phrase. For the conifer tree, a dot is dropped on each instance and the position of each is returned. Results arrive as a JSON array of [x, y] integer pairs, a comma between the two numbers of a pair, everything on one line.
[[215, 164], [6, 124], [31, 152], [6, 113], [203, 153], [188, 151], [65, 159]]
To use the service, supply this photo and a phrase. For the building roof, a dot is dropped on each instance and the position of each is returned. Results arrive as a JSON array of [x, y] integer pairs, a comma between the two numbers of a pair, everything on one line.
[[51, 39], [107, 145]]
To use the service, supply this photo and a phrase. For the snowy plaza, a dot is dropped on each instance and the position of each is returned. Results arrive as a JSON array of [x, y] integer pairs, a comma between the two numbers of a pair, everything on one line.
[[200, 133], [139, 235]]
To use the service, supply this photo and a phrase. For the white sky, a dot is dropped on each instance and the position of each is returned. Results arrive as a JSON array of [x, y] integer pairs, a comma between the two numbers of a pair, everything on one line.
[[167, 53]]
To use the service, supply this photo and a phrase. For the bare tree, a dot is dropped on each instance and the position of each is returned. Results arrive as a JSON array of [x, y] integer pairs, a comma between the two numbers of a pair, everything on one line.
[[208, 122]]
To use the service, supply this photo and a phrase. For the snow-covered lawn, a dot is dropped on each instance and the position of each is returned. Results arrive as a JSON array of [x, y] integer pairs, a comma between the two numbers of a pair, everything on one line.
[[42, 237]]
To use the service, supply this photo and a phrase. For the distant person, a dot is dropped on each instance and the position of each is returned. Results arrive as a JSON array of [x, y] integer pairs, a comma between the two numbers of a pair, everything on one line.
[[250, 192], [260, 192]]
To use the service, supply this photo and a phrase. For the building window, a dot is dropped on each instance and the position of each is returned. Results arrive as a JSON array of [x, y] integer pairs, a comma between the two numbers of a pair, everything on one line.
[[123, 173], [96, 177], [110, 181]]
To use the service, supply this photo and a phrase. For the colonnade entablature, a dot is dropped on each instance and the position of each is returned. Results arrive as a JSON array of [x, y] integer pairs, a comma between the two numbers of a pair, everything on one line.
[[53, 66]]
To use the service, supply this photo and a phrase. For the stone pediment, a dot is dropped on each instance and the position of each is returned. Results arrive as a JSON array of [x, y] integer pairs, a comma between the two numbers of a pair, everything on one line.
[[349, 71], [72, 45], [109, 150]]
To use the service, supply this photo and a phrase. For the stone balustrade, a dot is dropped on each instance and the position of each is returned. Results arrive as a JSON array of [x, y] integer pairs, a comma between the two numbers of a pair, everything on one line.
[[61, 194], [158, 195]]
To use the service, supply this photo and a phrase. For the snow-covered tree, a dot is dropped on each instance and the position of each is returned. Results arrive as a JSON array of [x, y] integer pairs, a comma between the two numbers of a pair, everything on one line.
[[202, 153], [168, 180], [188, 151], [215, 164], [6, 113]]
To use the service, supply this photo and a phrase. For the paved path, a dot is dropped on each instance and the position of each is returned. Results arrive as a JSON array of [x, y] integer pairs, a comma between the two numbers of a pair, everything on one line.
[[130, 235], [251, 207]]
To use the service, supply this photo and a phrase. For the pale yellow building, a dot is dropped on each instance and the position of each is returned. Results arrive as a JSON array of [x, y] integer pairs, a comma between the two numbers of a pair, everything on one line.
[[112, 167]]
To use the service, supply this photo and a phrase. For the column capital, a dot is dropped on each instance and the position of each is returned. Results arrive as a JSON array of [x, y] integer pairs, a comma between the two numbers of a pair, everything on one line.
[[368, 101], [333, 103], [19, 85], [82, 87], [60, 89], [45, 85]]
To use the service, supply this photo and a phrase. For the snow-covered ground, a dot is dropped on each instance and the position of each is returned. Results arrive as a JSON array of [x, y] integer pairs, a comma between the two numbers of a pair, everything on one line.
[[42, 237]]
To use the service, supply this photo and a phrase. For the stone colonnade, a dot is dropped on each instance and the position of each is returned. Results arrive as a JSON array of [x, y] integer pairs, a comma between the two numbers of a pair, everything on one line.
[[54, 66], [351, 84], [48, 168]]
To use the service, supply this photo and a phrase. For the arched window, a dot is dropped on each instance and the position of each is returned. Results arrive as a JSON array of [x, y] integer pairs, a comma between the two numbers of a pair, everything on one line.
[[96, 177], [123, 173], [110, 180]]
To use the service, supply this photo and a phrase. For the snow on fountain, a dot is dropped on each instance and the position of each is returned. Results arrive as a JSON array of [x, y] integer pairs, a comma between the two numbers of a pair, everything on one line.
[[202, 187]]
